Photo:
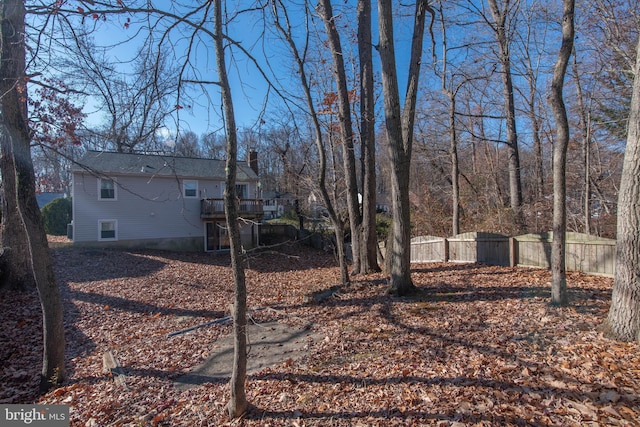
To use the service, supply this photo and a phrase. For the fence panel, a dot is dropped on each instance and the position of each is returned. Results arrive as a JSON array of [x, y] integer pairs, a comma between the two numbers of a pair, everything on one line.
[[583, 252], [586, 253], [271, 234], [428, 249], [486, 248]]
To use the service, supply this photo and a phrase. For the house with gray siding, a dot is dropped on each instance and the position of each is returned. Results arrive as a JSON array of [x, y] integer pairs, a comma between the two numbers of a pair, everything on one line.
[[164, 202]]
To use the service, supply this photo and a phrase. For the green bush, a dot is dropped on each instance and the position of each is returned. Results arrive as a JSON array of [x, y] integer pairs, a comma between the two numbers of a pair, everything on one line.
[[56, 215], [383, 227]]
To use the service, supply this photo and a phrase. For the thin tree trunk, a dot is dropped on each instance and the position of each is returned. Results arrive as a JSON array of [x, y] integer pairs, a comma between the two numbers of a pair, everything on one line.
[[369, 240], [623, 320], [558, 269], [237, 404], [336, 222], [455, 174], [346, 130], [20, 180], [585, 126], [537, 142], [53, 366], [453, 138], [515, 185]]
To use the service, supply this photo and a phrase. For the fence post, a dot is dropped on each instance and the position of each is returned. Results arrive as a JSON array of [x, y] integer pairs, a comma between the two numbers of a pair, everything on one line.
[[445, 250], [513, 256]]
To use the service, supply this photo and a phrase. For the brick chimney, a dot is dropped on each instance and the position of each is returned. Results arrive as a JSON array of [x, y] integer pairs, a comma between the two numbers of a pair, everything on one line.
[[253, 160]]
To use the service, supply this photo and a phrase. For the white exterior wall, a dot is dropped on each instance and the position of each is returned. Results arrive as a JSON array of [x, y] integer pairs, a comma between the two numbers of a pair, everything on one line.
[[145, 207]]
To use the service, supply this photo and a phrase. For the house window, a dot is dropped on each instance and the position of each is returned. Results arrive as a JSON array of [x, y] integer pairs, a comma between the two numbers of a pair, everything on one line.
[[190, 189], [241, 191], [108, 229], [107, 189]]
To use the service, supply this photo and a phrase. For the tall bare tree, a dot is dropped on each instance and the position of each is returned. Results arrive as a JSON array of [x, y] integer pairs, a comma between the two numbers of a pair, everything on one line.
[[238, 403], [19, 186], [531, 42], [559, 280], [502, 27], [623, 320], [283, 25], [134, 106], [584, 118], [346, 128], [451, 92], [399, 134], [368, 237]]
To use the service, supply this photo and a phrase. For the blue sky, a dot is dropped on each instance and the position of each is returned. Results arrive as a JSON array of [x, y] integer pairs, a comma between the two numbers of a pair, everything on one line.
[[249, 88]]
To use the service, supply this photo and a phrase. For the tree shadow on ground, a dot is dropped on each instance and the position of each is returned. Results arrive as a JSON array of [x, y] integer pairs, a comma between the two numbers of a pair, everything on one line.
[[288, 257], [125, 304], [444, 292], [103, 264], [393, 411], [460, 268], [543, 389], [88, 265]]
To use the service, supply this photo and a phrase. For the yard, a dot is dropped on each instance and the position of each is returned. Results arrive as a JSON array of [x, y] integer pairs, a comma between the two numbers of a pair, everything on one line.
[[478, 345]]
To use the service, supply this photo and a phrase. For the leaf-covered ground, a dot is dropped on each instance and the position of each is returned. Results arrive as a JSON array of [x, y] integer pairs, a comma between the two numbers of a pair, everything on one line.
[[478, 345]]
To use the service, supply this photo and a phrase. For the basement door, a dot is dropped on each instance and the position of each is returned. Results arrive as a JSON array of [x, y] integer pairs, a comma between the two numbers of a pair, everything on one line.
[[217, 238]]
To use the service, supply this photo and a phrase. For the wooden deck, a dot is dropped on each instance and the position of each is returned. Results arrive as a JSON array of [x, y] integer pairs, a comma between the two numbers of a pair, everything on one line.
[[247, 208]]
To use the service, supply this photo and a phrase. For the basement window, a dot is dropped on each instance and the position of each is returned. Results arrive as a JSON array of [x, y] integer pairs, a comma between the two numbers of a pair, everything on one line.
[[108, 229]]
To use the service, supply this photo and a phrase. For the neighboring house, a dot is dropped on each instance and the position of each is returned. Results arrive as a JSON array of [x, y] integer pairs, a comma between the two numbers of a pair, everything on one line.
[[276, 203], [152, 201]]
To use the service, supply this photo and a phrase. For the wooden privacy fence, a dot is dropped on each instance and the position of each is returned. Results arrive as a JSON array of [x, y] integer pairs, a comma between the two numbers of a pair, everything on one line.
[[271, 234], [583, 252]]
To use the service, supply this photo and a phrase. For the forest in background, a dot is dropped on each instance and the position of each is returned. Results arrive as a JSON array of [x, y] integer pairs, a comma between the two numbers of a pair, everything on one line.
[[149, 103]]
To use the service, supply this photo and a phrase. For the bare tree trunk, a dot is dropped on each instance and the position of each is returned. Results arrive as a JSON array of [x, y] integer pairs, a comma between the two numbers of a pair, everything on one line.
[[537, 142], [502, 36], [53, 366], [237, 404], [368, 240], [20, 180], [453, 138], [585, 127], [346, 129], [399, 133], [455, 174], [558, 269], [623, 320], [532, 70], [15, 268], [336, 221]]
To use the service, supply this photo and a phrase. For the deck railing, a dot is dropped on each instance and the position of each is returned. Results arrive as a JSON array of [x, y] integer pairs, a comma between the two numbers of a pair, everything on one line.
[[210, 208]]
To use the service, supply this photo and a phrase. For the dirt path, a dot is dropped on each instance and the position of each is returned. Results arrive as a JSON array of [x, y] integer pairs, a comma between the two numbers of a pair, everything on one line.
[[269, 344]]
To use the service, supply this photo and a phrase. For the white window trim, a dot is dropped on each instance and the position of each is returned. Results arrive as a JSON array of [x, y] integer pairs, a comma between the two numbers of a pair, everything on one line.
[[115, 189], [184, 188], [115, 226]]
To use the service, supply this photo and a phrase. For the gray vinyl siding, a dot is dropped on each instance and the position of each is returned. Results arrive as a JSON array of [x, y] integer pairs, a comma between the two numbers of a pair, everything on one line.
[[145, 207]]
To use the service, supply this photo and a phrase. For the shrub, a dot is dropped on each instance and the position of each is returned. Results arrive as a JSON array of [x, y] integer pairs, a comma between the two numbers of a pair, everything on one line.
[[56, 215], [383, 227]]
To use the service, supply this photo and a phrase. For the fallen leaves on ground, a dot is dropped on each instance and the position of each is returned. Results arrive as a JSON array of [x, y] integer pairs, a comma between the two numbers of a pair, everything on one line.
[[478, 345]]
